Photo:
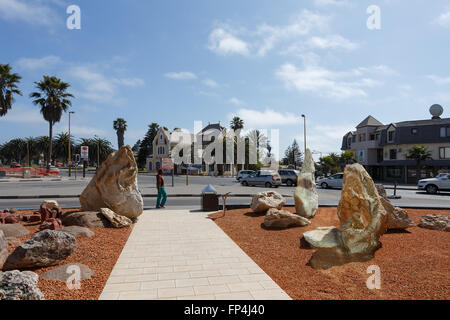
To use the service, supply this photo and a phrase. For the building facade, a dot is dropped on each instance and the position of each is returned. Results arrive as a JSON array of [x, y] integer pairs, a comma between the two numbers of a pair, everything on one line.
[[382, 149]]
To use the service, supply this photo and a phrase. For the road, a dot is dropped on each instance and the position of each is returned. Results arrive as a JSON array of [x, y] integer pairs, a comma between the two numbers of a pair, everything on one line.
[[410, 198]]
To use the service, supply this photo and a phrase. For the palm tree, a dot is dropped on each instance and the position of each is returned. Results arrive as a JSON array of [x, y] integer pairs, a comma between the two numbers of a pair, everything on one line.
[[237, 124], [8, 87], [53, 99], [120, 125], [61, 146], [419, 154]]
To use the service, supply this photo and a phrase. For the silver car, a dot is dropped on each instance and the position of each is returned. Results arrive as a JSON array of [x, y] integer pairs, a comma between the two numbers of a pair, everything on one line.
[[243, 173], [334, 181], [433, 185], [267, 178]]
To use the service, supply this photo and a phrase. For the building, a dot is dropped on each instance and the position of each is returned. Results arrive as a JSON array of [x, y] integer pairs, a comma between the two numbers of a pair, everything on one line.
[[163, 144], [382, 149]]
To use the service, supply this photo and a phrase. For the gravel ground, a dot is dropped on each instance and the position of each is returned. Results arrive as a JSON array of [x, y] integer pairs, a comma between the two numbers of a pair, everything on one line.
[[99, 253], [414, 264]]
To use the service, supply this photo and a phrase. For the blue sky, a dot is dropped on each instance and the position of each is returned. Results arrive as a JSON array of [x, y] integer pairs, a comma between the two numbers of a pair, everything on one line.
[[174, 62]]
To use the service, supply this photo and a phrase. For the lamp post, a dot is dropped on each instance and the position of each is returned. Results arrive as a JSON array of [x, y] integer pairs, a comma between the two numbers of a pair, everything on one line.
[[69, 155], [304, 130]]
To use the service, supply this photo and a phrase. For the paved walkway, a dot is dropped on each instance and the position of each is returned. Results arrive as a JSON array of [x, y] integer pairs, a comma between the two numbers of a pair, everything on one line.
[[179, 254]]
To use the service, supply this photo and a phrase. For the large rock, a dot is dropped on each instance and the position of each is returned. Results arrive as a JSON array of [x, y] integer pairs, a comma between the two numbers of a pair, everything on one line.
[[305, 195], [264, 201], [46, 248], [435, 222], [50, 210], [64, 272], [14, 230], [397, 218], [114, 186], [284, 219], [363, 220], [324, 237], [16, 285], [3, 249], [116, 220], [51, 224], [77, 231], [88, 219]]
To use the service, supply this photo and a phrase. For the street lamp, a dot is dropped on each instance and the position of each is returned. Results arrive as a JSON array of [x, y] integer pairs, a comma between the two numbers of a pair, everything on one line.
[[304, 130], [69, 156]]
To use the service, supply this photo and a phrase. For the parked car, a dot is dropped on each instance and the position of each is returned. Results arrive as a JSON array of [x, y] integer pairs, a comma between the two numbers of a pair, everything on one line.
[[15, 165], [267, 178], [243, 173], [433, 185], [289, 176], [334, 181]]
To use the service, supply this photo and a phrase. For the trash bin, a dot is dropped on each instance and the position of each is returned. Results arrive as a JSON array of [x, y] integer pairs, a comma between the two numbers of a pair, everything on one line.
[[210, 199]]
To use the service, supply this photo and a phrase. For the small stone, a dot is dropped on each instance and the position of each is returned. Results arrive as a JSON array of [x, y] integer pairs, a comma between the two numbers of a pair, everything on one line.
[[64, 272], [324, 237], [14, 230], [16, 285], [77, 231], [116, 220], [88, 219], [284, 219], [51, 224], [264, 201], [435, 222]]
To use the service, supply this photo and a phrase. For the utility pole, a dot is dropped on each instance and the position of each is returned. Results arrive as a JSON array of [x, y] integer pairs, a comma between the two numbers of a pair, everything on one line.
[[28, 154], [304, 131], [69, 158], [98, 153]]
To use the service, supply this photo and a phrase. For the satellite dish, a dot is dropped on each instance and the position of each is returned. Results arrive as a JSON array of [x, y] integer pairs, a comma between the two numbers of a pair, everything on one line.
[[436, 111]]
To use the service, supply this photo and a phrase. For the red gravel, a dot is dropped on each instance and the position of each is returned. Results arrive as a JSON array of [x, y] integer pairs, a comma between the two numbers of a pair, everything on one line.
[[99, 253], [415, 264]]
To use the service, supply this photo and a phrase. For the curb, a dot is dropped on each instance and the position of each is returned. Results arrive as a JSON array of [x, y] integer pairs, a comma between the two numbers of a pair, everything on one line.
[[143, 196]]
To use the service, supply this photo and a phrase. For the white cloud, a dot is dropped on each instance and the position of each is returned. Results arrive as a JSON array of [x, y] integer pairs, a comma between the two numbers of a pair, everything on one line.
[[332, 42], [38, 63], [210, 83], [269, 118], [130, 82], [34, 12], [80, 131], [236, 102], [22, 114], [328, 83], [439, 80], [181, 75], [323, 3], [224, 43], [444, 19]]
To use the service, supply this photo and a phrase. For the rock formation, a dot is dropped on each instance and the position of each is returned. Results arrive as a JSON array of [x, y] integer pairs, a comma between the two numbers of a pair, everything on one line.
[[115, 220], [363, 220], [114, 186], [305, 195], [16, 285], [264, 201], [284, 219], [397, 218], [435, 222], [51, 224], [46, 248]]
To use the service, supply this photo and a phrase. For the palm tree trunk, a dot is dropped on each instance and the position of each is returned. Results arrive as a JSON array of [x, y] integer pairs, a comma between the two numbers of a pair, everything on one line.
[[50, 141], [120, 139]]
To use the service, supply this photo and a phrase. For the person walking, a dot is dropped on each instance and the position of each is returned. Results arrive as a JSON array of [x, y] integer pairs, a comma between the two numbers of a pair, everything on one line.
[[162, 195]]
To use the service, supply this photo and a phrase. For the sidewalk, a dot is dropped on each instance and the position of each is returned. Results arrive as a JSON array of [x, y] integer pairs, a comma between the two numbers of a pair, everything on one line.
[[178, 254]]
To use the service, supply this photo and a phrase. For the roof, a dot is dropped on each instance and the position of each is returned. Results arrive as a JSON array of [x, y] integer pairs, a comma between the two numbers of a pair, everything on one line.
[[429, 122], [212, 126], [369, 122]]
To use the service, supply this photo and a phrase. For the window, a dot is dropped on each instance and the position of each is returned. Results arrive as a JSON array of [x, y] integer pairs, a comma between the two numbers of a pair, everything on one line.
[[377, 137], [362, 137], [445, 132], [372, 137], [414, 131], [394, 172], [354, 139], [161, 150], [444, 153], [393, 154], [391, 135]]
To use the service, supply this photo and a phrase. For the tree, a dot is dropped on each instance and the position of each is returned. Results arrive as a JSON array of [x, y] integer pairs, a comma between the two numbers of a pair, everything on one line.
[[259, 141], [136, 146], [98, 148], [419, 154], [146, 147], [8, 88], [346, 158], [61, 147], [237, 124], [120, 125], [293, 155], [53, 99], [326, 164]]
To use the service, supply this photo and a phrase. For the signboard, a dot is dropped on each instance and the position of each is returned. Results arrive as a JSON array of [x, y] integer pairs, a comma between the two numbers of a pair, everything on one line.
[[167, 164], [84, 152]]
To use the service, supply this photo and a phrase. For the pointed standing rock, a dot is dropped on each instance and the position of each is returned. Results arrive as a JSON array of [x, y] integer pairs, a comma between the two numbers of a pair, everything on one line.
[[114, 186], [306, 196]]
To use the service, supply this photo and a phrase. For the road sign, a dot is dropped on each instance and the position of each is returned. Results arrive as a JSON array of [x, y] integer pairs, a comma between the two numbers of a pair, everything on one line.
[[167, 164], [85, 152]]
